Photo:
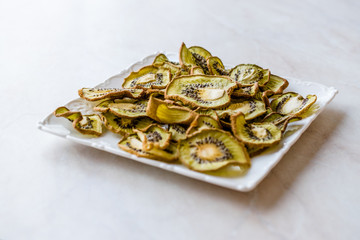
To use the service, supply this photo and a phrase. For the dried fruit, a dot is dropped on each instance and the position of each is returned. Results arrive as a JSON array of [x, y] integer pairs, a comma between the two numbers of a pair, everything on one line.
[[201, 90], [154, 136], [170, 110], [166, 113], [247, 91], [133, 145], [275, 84], [211, 149], [249, 107], [249, 74], [94, 94], [216, 67], [202, 122], [292, 103], [255, 134], [148, 77], [124, 125]]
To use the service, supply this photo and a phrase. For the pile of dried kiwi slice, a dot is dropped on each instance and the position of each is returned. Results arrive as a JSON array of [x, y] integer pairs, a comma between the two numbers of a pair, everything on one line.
[[195, 111]]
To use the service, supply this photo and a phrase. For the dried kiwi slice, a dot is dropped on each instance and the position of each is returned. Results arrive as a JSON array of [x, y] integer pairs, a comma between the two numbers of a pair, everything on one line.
[[186, 59], [127, 107], [94, 94], [133, 145], [292, 103], [216, 67], [123, 125], [200, 55], [196, 70], [201, 90], [160, 59], [211, 149], [167, 113], [249, 74], [66, 113], [89, 125], [148, 77], [247, 91], [255, 134], [178, 132], [249, 107], [202, 122], [275, 84], [154, 136], [207, 112], [281, 121]]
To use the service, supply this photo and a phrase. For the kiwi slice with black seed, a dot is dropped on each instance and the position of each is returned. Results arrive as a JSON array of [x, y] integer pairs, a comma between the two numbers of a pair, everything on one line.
[[212, 149]]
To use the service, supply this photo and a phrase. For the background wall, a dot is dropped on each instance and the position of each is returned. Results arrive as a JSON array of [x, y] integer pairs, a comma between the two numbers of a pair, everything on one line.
[[54, 189]]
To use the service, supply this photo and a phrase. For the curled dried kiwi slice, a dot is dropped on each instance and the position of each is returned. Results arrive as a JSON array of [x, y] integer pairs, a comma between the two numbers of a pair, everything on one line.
[[275, 84], [249, 74], [247, 91], [94, 94], [250, 108], [207, 112], [133, 145], [166, 113], [89, 125], [281, 121], [154, 136], [178, 132], [216, 67], [196, 70], [255, 134], [148, 77], [200, 55], [123, 125], [202, 122], [201, 90], [126, 107], [292, 103], [66, 113], [211, 149], [160, 59]]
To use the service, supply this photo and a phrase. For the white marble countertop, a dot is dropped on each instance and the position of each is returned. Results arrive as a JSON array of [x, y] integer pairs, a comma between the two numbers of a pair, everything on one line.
[[51, 188]]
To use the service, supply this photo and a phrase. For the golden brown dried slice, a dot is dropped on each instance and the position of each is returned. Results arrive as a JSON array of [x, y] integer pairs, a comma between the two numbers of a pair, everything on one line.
[[292, 103], [133, 145], [89, 125], [281, 121], [212, 149], [94, 94], [148, 77], [207, 112], [248, 91], [202, 122], [255, 134], [201, 90], [200, 55], [178, 132], [154, 136], [251, 108], [66, 113], [123, 125], [127, 107], [196, 70], [186, 59], [167, 113], [249, 74], [275, 84], [160, 59], [216, 67]]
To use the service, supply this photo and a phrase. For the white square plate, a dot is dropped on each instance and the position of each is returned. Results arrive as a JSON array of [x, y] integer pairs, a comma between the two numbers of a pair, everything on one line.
[[261, 164]]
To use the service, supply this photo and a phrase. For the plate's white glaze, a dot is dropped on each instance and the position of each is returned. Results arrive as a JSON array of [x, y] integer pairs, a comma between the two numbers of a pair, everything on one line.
[[261, 165]]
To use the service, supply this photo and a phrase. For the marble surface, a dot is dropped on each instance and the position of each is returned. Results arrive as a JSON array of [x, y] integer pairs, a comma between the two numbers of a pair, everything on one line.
[[51, 188]]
